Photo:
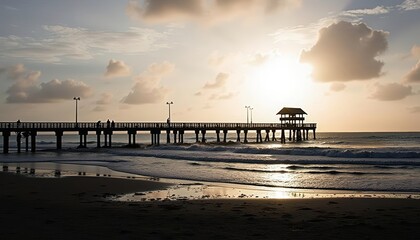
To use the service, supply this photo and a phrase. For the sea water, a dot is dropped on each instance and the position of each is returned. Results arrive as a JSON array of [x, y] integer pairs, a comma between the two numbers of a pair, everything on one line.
[[383, 162]]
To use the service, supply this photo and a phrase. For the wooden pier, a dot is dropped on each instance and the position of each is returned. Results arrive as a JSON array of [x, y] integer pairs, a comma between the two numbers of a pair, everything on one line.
[[28, 131]]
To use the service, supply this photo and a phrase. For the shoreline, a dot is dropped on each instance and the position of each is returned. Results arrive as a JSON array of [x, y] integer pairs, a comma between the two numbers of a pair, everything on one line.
[[181, 189], [77, 208]]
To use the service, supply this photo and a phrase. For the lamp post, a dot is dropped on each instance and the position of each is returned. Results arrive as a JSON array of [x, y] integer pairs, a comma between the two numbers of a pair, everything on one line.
[[247, 113], [251, 113], [76, 99], [169, 105]]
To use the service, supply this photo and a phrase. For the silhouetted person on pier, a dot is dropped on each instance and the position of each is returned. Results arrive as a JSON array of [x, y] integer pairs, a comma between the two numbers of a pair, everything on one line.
[[108, 123], [112, 124], [98, 124], [18, 123]]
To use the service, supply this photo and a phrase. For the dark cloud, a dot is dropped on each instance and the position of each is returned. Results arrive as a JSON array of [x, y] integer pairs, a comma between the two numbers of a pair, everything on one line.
[[391, 92], [117, 68], [345, 52], [202, 10], [165, 10], [148, 88], [27, 89], [219, 82]]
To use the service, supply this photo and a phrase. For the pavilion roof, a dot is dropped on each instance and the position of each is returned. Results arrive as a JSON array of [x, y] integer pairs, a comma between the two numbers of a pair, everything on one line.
[[291, 111]]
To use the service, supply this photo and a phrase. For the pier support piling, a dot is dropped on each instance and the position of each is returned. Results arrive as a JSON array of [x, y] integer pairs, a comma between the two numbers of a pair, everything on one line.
[[18, 141], [196, 135], [59, 139], [33, 141], [238, 135], [6, 136], [203, 134]]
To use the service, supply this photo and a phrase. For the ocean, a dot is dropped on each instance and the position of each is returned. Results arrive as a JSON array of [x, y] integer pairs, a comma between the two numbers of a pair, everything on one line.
[[374, 162]]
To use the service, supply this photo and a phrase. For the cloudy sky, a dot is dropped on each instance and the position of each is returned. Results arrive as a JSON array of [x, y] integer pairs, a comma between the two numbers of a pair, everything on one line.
[[351, 65]]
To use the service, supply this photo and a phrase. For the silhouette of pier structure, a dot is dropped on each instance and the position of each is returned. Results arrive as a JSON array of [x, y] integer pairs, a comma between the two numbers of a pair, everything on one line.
[[291, 127]]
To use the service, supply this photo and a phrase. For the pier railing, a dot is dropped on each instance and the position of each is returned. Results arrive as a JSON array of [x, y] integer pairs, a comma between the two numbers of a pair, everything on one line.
[[40, 126]]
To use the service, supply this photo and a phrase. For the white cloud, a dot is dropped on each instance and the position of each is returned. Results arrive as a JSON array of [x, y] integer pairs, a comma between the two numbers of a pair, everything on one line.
[[391, 92], [367, 11], [117, 68], [148, 88], [80, 43], [219, 82], [415, 51], [259, 59], [410, 5], [337, 87], [345, 52], [105, 99]]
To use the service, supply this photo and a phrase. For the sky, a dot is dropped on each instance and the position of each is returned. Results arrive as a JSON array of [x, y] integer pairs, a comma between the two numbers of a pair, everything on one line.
[[352, 65]]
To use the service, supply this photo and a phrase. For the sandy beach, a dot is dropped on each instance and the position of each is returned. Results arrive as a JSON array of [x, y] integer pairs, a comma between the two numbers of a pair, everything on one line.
[[77, 208]]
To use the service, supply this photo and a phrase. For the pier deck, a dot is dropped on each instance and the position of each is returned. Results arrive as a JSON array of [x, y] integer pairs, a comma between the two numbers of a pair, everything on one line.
[[29, 130]]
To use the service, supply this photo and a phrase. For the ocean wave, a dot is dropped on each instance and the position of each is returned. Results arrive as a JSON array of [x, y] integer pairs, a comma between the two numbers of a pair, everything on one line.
[[306, 151], [266, 159], [331, 172]]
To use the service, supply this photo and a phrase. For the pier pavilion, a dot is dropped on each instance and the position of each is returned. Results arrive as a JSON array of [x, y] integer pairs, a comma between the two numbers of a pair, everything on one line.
[[291, 120]]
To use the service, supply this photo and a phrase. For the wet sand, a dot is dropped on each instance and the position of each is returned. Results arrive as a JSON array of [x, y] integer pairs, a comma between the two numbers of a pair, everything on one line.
[[76, 208]]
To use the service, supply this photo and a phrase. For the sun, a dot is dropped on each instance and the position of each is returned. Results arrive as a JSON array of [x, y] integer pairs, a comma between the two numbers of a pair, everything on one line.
[[281, 79]]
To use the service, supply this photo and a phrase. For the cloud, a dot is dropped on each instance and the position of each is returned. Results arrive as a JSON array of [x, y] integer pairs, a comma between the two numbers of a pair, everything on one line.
[[99, 108], [367, 11], [164, 11], [391, 92], [219, 82], [223, 96], [80, 43], [409, 5], [414, 109], [27, 89], [337, 87], [105, 99], [117, 68], [217, 59], [259, 59], [345, 52], [148, 88], [414, 75], [415, 51]]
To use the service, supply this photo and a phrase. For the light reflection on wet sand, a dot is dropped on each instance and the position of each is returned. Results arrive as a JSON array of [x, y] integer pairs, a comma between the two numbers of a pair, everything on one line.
[[188, 190]]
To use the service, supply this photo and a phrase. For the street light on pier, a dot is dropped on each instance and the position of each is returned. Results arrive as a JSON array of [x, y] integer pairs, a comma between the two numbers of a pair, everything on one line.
[[247, 113], [76, 99], [251, 113], [169, 105]]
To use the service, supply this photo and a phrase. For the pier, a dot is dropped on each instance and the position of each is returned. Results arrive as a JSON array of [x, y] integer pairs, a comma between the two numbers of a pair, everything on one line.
[[27, 131], [291, 128]]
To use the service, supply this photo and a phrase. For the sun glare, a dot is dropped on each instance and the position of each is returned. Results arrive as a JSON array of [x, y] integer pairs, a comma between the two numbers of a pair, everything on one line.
[[281, 79]]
